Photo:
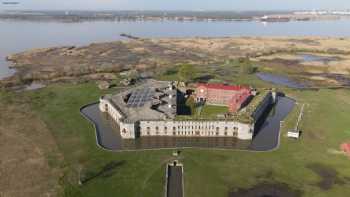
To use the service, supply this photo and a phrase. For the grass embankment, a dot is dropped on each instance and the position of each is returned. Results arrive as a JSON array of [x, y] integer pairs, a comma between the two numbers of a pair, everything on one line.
[[308, 164]]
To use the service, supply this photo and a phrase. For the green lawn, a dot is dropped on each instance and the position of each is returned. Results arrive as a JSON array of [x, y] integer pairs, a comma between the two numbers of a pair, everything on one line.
[[207, 172], [211, 111]]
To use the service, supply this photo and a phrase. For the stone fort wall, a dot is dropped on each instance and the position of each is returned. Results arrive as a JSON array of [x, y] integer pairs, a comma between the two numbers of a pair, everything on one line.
[[127, 129], [197, 129], [186, 128]]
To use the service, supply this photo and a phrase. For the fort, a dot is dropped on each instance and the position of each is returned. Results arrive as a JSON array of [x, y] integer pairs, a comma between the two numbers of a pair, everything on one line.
[[153, 109]]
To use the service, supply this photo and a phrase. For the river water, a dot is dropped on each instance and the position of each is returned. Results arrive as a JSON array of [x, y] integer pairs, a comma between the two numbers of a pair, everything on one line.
[[17, 36]]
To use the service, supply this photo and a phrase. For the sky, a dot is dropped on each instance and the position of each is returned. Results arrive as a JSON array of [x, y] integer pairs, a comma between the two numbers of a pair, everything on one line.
[[177, 4]]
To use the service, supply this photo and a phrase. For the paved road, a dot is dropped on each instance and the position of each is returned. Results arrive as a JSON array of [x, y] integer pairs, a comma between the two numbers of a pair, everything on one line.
[[174, 187]]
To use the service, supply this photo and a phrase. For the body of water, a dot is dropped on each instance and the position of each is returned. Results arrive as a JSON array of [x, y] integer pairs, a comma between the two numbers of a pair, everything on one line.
[[317, 58], [280, 80], [17, 36]]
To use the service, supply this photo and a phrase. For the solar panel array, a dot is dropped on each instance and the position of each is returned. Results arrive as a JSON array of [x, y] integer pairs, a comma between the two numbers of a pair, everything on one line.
[[138, 98]]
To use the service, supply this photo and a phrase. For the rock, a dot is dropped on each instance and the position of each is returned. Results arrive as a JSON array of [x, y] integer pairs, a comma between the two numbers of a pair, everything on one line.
[[103, 85], [126, 82]]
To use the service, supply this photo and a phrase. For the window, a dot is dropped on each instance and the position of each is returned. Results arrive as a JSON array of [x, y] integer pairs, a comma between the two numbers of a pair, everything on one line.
[[148, 133], [174, 128], [157, 128], [217, 133], [226, 128], [217, 128], [165, 128], [225, 133], [174, 133], [148, 128], [124, 131]]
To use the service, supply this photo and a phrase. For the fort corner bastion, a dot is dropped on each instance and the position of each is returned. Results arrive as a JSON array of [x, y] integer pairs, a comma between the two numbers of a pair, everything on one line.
[[152, 109]]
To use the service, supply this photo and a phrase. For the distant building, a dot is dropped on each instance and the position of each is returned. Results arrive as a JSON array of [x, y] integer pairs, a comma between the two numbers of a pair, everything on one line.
[[219, 94]]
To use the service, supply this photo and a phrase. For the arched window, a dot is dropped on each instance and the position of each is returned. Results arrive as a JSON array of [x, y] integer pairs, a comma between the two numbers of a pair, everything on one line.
[[235, 134]]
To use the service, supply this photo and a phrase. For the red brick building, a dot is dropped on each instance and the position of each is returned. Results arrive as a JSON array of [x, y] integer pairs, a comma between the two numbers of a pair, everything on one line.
[[219, 94]]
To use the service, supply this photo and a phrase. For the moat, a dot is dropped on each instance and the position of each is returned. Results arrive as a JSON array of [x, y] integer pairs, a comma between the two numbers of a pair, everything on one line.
[[265, 139]]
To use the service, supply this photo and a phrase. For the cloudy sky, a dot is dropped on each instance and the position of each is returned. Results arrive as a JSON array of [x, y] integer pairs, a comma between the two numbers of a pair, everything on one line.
[[178, 4]]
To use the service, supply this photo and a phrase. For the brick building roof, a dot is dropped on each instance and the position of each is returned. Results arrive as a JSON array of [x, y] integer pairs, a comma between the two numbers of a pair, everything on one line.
[[222, 86]]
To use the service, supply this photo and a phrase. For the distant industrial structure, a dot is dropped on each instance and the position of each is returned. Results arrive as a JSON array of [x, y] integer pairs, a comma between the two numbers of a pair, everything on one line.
[[10, 3], [323, 12], [151, 110]]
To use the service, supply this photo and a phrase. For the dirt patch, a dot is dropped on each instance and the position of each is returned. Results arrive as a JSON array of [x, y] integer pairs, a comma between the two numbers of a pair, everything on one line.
[[267, 190], [329, 176], [29, 163]]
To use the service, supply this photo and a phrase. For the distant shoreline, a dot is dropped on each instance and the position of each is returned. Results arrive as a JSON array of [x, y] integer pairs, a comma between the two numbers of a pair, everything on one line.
[[181, 16]]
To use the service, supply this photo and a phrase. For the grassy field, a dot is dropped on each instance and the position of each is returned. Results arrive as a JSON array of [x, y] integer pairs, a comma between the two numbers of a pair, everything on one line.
[[211, 111], [311, 165]]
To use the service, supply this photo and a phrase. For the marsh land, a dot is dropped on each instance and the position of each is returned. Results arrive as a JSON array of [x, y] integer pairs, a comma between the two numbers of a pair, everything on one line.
[[316, 61]]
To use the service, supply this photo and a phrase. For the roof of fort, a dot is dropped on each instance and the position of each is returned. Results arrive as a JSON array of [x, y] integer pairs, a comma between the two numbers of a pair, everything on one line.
[[221, 86], [150, 101]]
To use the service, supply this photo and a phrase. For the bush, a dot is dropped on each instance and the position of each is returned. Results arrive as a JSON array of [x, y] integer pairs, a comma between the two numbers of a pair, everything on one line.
[[246, 66], [191, 103], [186, 73]]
